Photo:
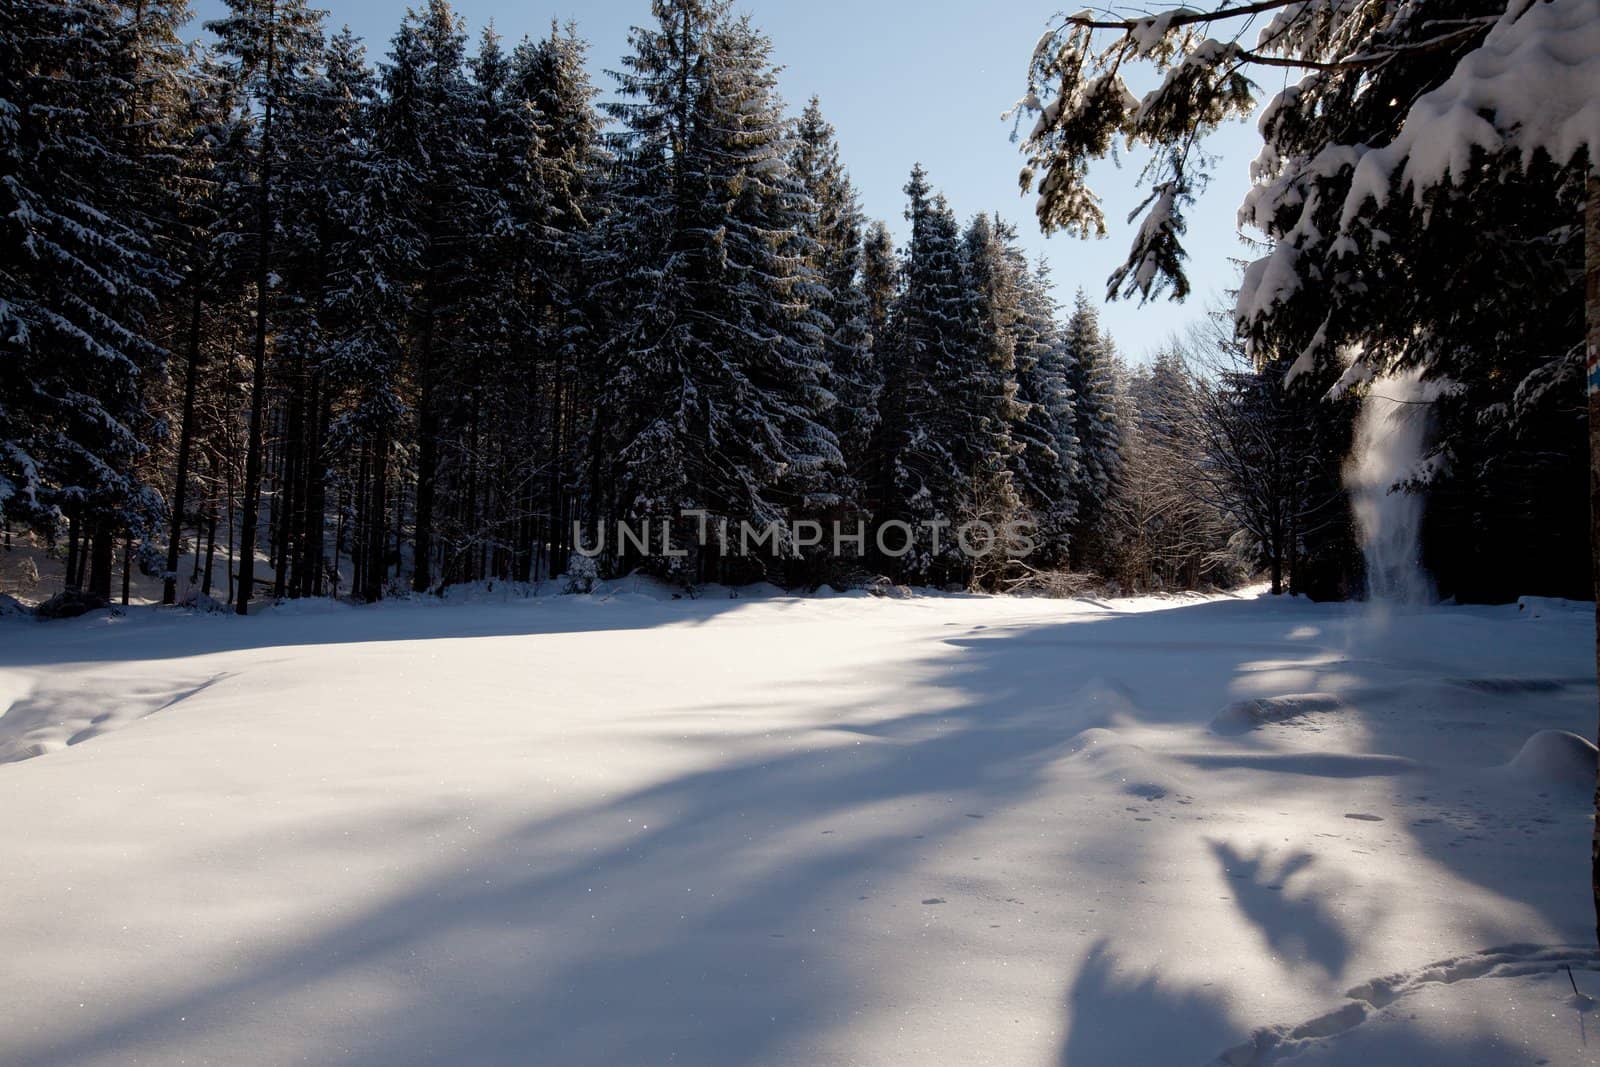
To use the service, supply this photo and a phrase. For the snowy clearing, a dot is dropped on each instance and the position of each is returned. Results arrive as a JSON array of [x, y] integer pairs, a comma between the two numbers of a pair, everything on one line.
[[777, 830]]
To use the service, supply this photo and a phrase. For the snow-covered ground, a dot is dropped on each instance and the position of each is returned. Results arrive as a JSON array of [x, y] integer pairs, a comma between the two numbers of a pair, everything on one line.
[[768, 830]]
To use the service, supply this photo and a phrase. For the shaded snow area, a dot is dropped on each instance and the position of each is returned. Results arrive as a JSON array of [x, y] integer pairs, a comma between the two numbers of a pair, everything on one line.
[[762, 830]]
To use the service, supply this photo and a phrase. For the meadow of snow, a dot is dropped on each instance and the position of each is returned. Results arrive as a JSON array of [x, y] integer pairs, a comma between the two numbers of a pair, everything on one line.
[[626, 829]]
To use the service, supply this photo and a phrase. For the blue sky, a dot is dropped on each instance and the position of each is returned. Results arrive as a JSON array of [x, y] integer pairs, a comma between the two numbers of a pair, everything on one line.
[[907, 81]]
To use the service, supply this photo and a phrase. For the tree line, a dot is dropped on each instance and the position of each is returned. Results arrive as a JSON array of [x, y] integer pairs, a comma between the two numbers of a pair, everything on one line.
[[344, 328], [278, 320]]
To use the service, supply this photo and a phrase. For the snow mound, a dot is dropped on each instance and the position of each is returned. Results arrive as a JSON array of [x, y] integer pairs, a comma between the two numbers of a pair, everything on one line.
[[488, 591], [305, 606], [1245, 715], [1102, 702], [14, 689], [42, 715], [1556, 756], [1128, 767], [1538, 607], [195, 600]]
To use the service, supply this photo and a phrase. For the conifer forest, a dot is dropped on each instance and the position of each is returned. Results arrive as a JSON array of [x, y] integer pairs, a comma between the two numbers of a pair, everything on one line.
[[409, 319]]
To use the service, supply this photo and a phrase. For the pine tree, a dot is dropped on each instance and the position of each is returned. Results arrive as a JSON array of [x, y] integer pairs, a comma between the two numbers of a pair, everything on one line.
[[1048, 463], [363, 307], [322, 124], [79, 274], [924, 433], [271, 46], [718, 376], [427, 130], [552, 77], [835, 233], [880, 279], [987, 387], [213, 128], [1097, 425]]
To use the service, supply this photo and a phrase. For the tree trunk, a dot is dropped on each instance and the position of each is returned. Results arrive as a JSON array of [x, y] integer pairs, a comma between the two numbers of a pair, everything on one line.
[[169, 581], [258, 380], [211, 546], [399, 541], [199, 539], [102, 548], [231, 541], [427, 470], [290, 497], [127, 567], [377, 533], [427, 459], [361, 510], [1591, 292], [313, 512], [73, 580]]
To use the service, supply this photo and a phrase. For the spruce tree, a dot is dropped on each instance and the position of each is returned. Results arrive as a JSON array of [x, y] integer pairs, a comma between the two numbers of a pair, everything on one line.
[[924, 430], [270, 46], [212, 128], [1048, 461], [551, 75], [80, 272], [880, 280], [427, 131], [1097, 426], [363, 311], [835, 234], [718, 375]]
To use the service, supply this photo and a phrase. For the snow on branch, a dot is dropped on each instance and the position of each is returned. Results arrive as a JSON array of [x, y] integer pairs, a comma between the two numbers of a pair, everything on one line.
[[1532, 87]]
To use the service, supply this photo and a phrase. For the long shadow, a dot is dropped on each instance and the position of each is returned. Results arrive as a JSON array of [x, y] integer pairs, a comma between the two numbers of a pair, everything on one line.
[[1122, 1019], [687, 921], [707, 918], [147, 633]]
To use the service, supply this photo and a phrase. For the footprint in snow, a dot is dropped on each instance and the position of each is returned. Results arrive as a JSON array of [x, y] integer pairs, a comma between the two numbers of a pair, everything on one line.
[[1364, 817], [934, 900]]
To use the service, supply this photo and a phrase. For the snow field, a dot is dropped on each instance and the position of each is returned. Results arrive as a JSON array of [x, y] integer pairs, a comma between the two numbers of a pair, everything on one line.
[[774, 830]]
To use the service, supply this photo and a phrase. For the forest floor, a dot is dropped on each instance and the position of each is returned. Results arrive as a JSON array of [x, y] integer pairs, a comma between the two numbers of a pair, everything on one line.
[[624, 829]]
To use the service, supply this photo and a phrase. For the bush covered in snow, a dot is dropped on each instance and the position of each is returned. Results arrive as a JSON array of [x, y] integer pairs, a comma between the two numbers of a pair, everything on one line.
[[582, 574]]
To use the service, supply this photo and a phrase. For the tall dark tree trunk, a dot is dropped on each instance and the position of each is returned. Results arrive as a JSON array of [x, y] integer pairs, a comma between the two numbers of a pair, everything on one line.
[[291, 482], [207, 503], [191, 378], [1591, 292], [361, 508], [553, 480], [74, 579], [427, 461], [313, 525], [377, 528], [85, 541], [399, 541], [211, 546], [258, 373], [127, 567], [102, 548]]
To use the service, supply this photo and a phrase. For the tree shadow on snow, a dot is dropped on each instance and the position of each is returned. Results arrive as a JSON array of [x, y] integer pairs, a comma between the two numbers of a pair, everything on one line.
[[1293, 919], [702, 920], [150, 633], [707, 918], [1123, 1017]]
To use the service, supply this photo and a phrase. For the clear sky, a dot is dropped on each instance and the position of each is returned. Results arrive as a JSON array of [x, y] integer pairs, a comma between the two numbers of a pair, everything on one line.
[[907, 81]]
